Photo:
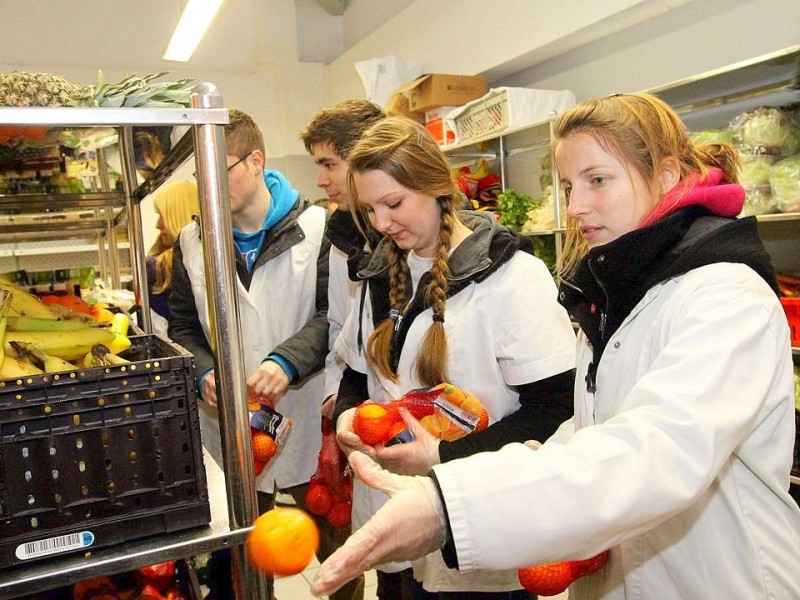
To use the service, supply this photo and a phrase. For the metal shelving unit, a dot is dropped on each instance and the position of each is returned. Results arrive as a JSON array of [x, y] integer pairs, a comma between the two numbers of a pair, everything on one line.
[[233, 511]]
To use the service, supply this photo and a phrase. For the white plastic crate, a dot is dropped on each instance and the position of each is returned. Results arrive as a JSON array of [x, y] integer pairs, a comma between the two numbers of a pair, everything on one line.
[[502, 108]]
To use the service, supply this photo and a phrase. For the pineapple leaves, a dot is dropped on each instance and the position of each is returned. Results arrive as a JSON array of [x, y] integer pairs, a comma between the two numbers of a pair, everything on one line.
[[135, 91]]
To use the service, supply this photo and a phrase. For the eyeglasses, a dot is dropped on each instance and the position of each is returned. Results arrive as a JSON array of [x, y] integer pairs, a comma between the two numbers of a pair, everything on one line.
[[242, 159]]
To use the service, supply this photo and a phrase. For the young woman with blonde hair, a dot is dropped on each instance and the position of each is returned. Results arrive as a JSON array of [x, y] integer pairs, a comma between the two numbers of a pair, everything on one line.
[[176, 203], [450, 296], [677, 459]]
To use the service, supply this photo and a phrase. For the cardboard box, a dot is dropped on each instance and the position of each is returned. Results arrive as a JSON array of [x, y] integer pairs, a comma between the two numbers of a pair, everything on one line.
[[397, 106], [435, 90]]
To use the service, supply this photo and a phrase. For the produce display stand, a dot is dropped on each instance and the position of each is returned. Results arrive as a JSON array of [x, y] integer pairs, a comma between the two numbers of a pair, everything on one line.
[[234, 509]]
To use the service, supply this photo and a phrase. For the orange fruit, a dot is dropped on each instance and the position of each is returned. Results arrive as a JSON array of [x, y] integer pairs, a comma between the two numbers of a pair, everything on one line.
[[483, 421], [319, 498], [258, 466], [396, 428], [263, 445], [49, 299], [547, 580], [372, 423], [283, 541]]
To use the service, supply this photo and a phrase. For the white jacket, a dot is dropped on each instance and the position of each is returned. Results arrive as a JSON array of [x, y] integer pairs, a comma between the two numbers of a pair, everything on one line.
[[280, 300], [502, 332], [679, 463]]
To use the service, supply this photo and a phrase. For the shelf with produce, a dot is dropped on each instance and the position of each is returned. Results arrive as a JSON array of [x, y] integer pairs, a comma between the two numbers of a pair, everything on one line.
[[232, 514]]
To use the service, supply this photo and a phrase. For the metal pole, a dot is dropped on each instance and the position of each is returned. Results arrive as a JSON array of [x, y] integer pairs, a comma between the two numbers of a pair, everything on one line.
[[111, 226], [135, 234], [226, 343]]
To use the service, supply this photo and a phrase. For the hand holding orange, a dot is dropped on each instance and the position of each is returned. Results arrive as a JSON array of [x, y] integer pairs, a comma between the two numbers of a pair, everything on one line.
[[283, 541]]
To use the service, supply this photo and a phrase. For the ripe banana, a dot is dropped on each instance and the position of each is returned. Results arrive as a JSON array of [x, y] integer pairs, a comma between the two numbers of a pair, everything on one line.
[[42, 324], [5, 306], [101, 356], [68, 345], [24, 303], [64, 313], [50, 364], [16, 367]]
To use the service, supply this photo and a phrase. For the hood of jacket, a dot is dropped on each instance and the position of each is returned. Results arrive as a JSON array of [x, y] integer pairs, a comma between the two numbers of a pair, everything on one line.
[[486, 249], [611, 279]]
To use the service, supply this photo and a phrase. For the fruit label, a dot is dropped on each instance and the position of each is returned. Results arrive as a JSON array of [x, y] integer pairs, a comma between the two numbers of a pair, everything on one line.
[[54, 545], [271, 422], [457, 415], [403, 437]]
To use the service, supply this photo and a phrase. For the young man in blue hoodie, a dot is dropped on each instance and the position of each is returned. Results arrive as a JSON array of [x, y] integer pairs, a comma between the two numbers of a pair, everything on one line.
[[282, 270]]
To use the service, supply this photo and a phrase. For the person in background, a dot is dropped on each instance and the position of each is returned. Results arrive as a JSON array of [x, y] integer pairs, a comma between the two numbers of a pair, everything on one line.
[[678, 456], [281, 265], [329, 137], [176, 204], [453, 297]]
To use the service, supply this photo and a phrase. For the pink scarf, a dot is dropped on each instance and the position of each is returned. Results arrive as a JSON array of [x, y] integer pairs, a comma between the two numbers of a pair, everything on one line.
[[722, 198]]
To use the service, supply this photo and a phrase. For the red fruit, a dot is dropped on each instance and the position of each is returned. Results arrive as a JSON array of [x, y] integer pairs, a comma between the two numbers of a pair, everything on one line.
[[264, 446], [590, 565], [158, 575], [372, 423], [339, 514], [547, 580], [319, 499]]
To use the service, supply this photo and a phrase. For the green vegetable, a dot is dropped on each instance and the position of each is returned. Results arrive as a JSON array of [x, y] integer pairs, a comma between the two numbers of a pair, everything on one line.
[[544, 247], [784, 179], [797, 388], [763, 127], [754, 168], [712, 136], [514, 208]]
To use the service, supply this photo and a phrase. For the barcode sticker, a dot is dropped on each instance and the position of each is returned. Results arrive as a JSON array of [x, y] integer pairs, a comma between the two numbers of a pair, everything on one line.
[[55, 545], [457, 415]]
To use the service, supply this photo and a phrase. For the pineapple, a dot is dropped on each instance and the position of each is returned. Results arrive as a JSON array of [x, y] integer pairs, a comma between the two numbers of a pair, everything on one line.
[[20, 88]]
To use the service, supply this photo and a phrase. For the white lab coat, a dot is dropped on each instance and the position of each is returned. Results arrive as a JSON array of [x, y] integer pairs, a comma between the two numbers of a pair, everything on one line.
[[679, 463], [505, 331], [279, 302]]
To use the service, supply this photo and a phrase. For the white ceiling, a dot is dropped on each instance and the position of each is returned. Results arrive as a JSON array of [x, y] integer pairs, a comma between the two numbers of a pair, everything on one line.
[[131, 35]]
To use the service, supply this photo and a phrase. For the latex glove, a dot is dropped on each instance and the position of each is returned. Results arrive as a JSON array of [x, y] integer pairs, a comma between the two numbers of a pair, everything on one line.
[[269, 380], [328, 405], [410, 525], [348, 440], [208, 389], [412, 458]]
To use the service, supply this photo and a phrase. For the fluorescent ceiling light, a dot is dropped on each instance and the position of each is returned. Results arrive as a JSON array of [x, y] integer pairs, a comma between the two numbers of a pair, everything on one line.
[[197, 16]]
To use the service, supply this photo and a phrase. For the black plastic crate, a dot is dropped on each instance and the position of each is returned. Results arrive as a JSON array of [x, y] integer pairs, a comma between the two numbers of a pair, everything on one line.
[[97, 457]]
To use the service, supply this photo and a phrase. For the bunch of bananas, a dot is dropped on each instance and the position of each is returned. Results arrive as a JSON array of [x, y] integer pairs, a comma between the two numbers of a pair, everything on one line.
[[35, 340]]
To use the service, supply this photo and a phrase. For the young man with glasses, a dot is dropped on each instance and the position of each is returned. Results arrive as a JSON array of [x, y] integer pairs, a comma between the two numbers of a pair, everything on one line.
[[282, 270]]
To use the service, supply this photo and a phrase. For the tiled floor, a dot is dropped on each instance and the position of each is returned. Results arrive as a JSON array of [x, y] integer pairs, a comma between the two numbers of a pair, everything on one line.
[[297, 587]]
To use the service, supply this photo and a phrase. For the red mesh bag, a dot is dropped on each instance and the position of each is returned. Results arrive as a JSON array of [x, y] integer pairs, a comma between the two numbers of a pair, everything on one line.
[[331, 487]]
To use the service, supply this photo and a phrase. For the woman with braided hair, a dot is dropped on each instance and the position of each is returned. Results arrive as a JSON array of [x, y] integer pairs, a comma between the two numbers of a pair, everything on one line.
[[448, 296]]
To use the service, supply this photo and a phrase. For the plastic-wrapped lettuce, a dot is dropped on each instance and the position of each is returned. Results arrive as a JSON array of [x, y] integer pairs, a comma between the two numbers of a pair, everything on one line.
[[712, 136], [784, 180], [754, 168], [765, 127]]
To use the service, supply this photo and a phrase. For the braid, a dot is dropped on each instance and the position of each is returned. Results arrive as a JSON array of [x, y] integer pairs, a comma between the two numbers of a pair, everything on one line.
[[432, 357], [380, 342]]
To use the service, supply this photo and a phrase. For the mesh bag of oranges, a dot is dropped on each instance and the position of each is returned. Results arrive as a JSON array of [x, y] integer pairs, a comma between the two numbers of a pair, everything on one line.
[[330, 491], [268, 430], [446, 411]]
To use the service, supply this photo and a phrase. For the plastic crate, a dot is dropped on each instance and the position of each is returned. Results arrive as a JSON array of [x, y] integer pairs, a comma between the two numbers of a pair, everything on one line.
[[96, 457], [483, 116], [791, 306]]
